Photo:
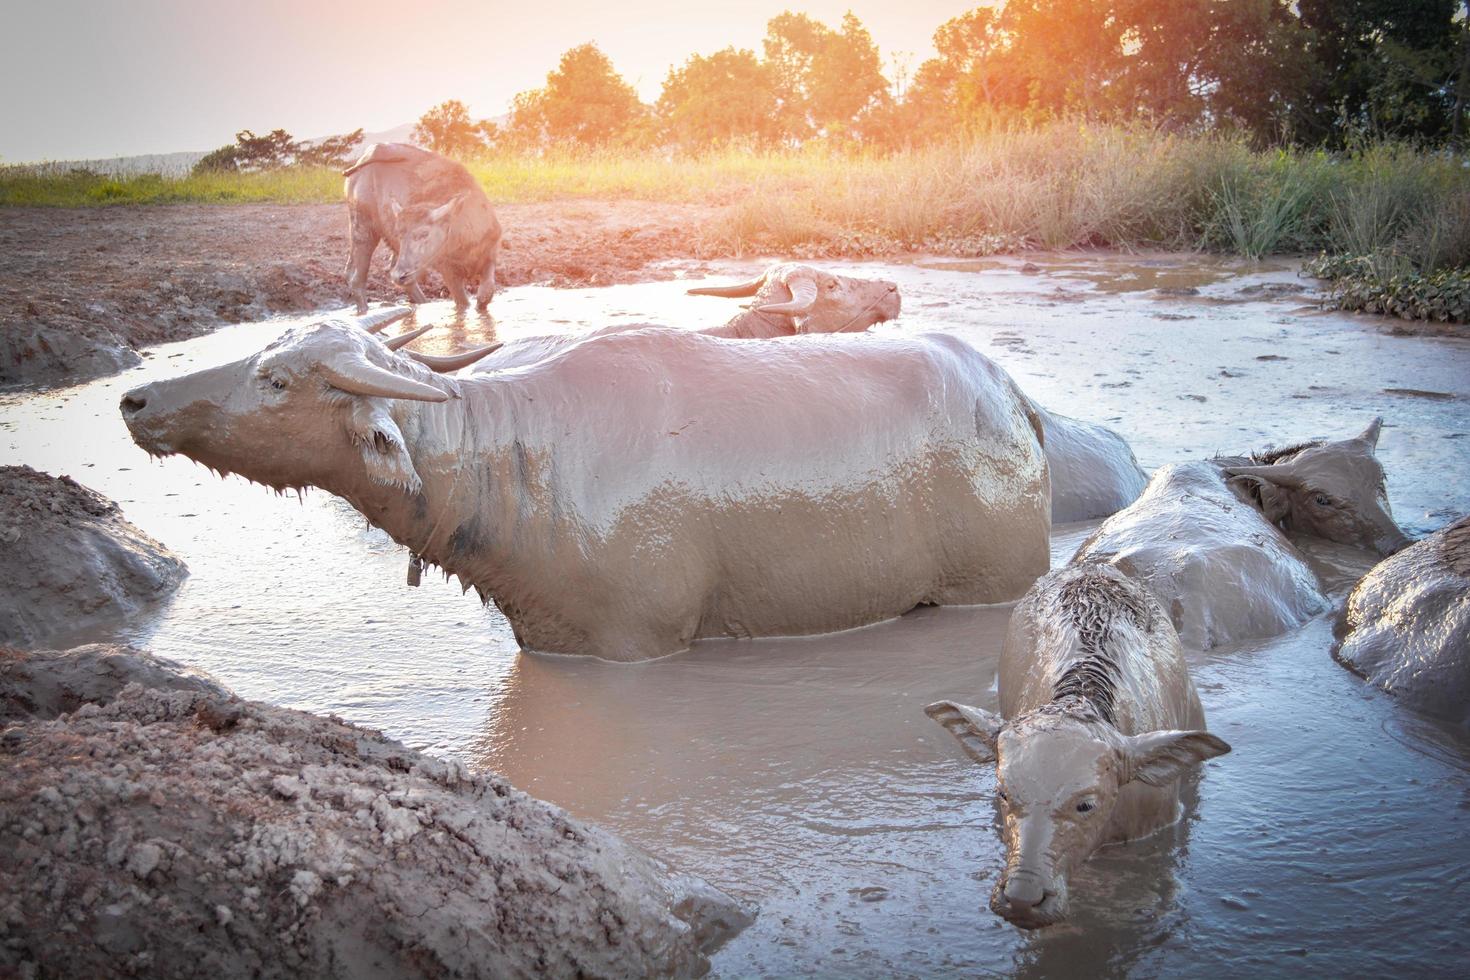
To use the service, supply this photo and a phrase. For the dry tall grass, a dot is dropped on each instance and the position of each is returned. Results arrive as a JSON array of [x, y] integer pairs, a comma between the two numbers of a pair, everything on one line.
[[1053, 186]]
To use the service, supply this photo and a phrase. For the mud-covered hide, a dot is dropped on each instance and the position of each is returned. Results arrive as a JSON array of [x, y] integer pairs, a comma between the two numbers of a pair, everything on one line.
[[1099, 719], [1406, 626], [181, 832], [70, 564], [1093, 470], [644, 489], [1221, 571]]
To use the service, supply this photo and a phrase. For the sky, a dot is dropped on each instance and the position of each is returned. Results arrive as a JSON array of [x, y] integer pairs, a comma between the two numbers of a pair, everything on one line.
[[101, 78]]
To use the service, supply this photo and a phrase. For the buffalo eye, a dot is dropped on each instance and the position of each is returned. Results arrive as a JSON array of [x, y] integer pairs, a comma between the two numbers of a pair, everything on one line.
[[1321, 500], [1086, 806], [1003, 797], [278, 384]]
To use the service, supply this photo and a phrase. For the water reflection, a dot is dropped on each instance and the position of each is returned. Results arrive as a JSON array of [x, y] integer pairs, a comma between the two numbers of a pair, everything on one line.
[[802, 774]]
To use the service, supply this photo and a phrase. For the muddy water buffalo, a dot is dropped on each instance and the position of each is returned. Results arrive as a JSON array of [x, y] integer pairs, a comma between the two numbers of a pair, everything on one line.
[[790, 299], [1206, 537], [1093, 470], [432, 214], [1098, 720], [642, 490], [1406, 627]]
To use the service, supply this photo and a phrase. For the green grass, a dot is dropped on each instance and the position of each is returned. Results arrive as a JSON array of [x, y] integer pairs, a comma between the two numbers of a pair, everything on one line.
[[1058, 185]]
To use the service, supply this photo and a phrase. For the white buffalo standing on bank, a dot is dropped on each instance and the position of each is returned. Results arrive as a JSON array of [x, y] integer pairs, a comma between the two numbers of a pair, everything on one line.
[[1206, 537], [432, 214], [1098, 721], [641, 490]]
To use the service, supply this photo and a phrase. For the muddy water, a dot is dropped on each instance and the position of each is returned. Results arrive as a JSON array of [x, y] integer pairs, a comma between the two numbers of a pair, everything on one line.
[[801, 774]]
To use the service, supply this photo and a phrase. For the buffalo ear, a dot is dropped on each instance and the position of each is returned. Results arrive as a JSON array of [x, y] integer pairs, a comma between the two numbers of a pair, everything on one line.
[[975, 728], [380, 441], [1159, 758], [444, 211], [1273, 501]]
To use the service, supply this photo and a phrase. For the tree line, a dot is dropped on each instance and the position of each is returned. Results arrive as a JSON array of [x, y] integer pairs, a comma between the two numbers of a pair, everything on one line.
[[1313, 72]]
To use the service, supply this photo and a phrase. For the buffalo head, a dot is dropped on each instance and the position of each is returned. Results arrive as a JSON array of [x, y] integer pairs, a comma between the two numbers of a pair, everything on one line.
[[815, 301], [1060, 771], [314, 408], [423, 232], [1332, 490]]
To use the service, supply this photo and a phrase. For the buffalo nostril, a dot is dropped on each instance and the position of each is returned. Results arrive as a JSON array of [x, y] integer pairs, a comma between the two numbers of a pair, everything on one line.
[[132, 404]]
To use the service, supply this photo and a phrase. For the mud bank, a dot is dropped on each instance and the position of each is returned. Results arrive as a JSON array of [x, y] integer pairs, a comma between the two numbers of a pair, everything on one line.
[[82, 291], [167, 828], [70, 562]]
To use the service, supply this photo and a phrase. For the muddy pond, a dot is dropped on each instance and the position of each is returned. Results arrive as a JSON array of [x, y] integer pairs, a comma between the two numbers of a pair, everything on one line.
[[802, 774]]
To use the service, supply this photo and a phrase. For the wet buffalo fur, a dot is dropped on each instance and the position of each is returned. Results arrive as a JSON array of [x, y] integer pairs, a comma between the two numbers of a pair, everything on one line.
[[1096, 605]]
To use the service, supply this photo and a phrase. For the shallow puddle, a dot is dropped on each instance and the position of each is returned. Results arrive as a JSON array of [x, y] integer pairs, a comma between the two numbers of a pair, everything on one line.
[[801, 774]]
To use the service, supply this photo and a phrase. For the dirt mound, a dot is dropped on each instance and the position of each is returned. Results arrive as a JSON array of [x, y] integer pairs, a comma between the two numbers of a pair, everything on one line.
[[40, 684], [84, 289], [169, 829], [69, 562]]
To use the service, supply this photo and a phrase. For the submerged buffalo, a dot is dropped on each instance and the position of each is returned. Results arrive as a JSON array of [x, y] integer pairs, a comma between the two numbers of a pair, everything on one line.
[[1098, 720], [641, 490], [1206, 537], [790, 299], [432, 214], [1406, 627]]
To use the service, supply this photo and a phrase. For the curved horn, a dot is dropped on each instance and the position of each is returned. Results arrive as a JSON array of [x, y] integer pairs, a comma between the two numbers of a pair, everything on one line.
[[358, 377], [1279, 473], [453, 362], [393, 343], [803, 295], [1370, 434], [731, 292], [375, 322]]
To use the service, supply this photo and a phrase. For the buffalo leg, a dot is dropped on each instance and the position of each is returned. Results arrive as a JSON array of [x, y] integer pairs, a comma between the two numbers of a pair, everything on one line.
[[358, 264], [455, 285], [486, 292]]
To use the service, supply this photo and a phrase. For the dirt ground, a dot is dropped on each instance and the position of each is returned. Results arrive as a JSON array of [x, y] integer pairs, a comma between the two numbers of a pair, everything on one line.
[[82, 289], [155, 825]]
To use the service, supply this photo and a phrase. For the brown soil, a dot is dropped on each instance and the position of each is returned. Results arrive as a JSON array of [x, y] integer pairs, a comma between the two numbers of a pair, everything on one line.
[[154, 825], [70, 562], [81, 289]]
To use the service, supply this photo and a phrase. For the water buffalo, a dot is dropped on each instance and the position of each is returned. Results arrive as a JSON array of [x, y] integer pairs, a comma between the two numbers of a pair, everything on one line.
[[1406, 627], [792, 304], [791, 299], [1098, 720], [432, 214], [638, 491], [1093, 470], [1206, 537]]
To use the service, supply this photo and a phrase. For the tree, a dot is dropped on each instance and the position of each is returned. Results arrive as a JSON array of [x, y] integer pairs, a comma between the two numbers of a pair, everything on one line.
[[727, 96], [1389, 67], [334, 152], [585, 102], [448, 129], [825, 80]]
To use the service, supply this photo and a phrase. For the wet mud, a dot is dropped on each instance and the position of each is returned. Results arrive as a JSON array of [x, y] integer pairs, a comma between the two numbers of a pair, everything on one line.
[[802, 774], [70, 563], [169, 829], [86, 290]]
